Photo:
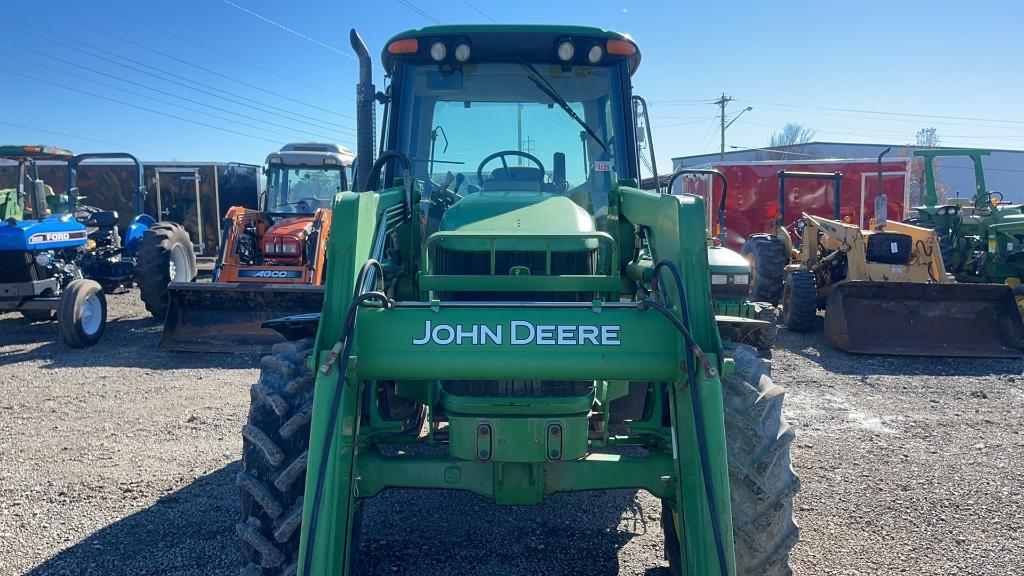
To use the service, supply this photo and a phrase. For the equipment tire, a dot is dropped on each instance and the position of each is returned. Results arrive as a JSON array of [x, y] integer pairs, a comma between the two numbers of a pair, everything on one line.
[[764, 338], [39, 315], [946, 249], [275, 446], [163, 248], [800, 301], [767, 258], [761, 477], [945, 243], [82, 313]]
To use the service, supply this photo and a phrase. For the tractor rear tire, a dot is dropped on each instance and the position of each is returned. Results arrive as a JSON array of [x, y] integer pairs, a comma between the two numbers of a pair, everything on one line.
[[800, 301], [767, 258], [761, 477], [275, 448], [82, 313], [165, 255]]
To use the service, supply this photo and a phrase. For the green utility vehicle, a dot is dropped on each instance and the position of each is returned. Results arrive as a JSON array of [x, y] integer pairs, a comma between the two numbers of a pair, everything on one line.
[[739, 319], [524, 314]]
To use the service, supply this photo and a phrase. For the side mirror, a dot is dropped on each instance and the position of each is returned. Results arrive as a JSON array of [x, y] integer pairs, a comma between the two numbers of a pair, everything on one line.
[[38, 199]]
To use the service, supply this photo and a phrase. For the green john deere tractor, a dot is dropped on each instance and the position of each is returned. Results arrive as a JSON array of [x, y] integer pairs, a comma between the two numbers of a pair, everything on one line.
[[522, 314], [982, 238], [739, 319]]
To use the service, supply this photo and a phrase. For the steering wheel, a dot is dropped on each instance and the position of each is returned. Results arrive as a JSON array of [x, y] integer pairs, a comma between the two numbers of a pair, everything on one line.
[[502, 154], [306, 204], [985, 205]]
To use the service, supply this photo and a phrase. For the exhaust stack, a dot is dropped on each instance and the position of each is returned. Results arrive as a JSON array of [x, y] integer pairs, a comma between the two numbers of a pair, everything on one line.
[[366, 111]]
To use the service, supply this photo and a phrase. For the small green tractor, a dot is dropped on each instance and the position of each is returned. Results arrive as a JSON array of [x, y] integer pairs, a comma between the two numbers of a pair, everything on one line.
[[515, 324], [739, 319], [982, 237]]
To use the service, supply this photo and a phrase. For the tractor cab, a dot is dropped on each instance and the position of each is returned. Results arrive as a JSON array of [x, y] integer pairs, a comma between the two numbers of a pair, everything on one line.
[[533, 139], [302, 178]]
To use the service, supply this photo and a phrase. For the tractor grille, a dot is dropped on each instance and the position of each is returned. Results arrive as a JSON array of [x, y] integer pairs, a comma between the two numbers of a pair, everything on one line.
[[518, 388], [17, 266], [452, 262]]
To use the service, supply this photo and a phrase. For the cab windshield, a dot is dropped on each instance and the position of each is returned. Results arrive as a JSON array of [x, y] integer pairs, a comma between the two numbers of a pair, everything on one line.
[[515, 126], [301, 190]]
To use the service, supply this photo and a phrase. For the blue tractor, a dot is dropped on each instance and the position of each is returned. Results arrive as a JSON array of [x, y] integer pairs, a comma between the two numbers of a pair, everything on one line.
[[63, 256]]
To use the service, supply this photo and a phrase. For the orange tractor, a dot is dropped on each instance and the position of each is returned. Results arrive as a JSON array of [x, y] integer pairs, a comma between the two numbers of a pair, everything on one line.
[[271, 262]]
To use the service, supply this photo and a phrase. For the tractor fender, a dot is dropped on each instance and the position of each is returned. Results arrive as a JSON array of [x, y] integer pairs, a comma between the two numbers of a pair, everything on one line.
[[136, 229]]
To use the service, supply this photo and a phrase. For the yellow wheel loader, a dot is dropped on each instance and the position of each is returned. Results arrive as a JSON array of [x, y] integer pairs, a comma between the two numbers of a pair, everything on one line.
[[885, 290]]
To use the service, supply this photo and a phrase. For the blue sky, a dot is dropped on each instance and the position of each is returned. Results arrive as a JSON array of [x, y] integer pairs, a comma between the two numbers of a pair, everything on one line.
[[117, 75]]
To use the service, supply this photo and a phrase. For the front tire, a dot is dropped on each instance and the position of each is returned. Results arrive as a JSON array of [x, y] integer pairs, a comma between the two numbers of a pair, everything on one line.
[[767, 258], [275, 448], [165, 255], [82, 313], [800, 301], [764, 338], [761, 477]]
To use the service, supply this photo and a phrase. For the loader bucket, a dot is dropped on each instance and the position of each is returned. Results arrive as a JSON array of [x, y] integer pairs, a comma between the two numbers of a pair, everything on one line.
[[920, 319], [227, 317]]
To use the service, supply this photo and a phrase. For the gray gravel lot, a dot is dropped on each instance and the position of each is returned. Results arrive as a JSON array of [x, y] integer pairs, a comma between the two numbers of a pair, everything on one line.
[[120, 459]]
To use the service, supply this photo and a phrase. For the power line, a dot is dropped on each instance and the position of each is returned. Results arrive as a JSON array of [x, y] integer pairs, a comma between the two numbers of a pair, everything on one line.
[[291, 31], [883, 113], [136, 106], [478, 11], [674, 124], [64, 134], [414, 8], [141, 95], [185, 82], [276, 72], [213, 72]]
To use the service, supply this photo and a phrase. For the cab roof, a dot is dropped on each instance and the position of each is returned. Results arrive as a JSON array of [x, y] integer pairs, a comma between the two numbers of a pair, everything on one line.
[[35, 152], [497, 40]]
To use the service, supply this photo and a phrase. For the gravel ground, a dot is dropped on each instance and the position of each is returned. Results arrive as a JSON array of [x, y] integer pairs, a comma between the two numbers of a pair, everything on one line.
[[120, 459]]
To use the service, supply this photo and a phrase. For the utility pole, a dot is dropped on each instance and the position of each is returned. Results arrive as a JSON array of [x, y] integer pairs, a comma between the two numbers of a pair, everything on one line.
[[528, 145], [519, 122], [721, 105]]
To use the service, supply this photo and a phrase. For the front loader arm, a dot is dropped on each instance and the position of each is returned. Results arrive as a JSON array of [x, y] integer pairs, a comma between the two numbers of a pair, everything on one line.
[[355, 225], [675, 228]]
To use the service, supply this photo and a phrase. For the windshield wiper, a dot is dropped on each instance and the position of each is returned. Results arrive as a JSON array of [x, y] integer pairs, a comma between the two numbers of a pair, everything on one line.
[[544, 86]]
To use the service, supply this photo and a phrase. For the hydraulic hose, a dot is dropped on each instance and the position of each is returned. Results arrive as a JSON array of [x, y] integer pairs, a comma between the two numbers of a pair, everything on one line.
[[683, 325], [344, 344]]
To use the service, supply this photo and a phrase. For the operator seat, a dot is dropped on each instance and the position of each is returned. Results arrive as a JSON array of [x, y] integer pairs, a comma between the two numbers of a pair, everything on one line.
[[519, 178]]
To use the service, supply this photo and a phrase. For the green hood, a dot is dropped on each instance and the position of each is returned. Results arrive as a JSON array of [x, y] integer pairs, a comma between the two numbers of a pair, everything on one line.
[[726, 261]]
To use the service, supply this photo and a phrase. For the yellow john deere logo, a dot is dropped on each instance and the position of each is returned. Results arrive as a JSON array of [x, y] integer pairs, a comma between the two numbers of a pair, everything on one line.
[[519, 271]]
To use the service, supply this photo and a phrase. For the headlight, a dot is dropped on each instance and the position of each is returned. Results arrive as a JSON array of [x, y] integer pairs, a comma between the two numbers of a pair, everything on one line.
[[44, 259], [566, 51], [741, 279], [595, 54], [290, 248], [269, 248], [438, 51], [719, 279], [462, 52]]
